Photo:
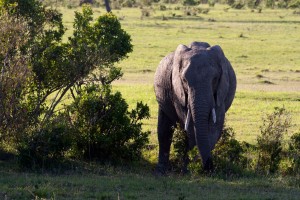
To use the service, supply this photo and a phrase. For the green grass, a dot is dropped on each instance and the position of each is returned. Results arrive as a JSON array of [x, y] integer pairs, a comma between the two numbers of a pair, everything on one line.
[[262, 47], [100, 182]]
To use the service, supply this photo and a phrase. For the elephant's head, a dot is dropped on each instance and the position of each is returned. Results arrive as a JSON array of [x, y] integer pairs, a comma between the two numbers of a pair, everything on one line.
[[201, 84]]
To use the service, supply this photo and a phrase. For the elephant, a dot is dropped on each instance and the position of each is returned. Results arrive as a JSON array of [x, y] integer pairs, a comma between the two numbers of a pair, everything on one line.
[[194, 85]]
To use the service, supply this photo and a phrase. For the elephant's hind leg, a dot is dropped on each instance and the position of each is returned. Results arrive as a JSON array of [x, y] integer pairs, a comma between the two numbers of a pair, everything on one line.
[[165, 133]]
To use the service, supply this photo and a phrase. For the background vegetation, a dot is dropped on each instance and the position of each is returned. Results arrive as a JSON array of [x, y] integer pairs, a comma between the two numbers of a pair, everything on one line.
[[261, 44]]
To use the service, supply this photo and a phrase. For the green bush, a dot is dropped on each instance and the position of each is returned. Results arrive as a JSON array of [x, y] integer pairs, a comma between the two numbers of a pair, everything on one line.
[[253, 3], [195, 162], [180, 144], [46, 147], [190, 2], [269, 142], [108, 132], [228, 155], [294, 150], [129, 3], [162, 7]]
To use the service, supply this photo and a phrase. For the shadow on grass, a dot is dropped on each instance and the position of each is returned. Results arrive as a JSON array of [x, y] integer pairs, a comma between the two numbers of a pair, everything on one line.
[[134, 180]]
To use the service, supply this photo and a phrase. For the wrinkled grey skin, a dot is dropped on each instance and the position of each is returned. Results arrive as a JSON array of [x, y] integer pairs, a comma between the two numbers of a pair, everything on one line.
[[198, 78]]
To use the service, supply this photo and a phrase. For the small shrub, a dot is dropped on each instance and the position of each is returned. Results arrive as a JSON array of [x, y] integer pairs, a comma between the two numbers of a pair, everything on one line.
[[294, 150], [146, 2], [253, 3], [269, 142], [190, 11], [46, 147], [162, 7], [180, 144], [129, 3], [228, 154], [108, 132], [193, 11], [195, 162], [81, 2], [230, 2], [190, 2]]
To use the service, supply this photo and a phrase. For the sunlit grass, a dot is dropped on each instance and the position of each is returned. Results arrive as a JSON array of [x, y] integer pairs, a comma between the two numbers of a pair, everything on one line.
[[262, 47]]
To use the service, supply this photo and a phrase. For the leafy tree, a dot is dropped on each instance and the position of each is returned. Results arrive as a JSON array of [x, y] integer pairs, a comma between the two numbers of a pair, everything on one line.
[[14, 75], [83, 66], [58, 67]]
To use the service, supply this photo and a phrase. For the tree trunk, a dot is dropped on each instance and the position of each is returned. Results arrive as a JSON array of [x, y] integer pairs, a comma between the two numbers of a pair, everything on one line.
[[107, 5]]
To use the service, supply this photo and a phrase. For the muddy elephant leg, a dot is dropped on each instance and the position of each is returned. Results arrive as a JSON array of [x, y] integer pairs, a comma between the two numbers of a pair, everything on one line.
[[165, 133]]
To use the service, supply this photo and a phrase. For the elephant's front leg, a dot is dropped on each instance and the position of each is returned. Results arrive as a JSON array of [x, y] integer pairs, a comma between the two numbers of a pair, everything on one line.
[[165, 133]]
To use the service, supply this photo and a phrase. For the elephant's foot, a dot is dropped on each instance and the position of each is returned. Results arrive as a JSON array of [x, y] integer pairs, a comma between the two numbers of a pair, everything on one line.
[[185, 171], [161, 169], [209, 167]]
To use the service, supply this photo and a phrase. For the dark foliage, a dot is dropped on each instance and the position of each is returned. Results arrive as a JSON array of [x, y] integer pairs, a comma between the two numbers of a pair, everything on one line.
[[107, 130], [228, 155], [180, 144], [294, 150], [46, 148], [101, 122]]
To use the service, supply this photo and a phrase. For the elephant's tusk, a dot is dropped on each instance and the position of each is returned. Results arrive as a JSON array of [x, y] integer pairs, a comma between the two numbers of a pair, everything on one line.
[[187, 120], [214, 115]]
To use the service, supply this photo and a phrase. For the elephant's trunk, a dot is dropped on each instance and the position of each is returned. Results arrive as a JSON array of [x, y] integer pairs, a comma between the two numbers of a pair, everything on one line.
[[202, 108]]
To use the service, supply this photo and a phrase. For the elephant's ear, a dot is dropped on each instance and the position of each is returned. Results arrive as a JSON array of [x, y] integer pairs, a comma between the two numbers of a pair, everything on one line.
[[176, 73], [223, 86]]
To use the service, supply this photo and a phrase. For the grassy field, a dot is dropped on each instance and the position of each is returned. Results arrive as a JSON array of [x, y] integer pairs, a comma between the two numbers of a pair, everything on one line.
[[264, 49], [108, 184]]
